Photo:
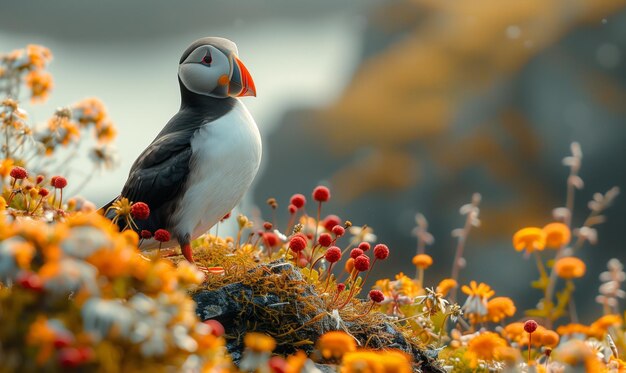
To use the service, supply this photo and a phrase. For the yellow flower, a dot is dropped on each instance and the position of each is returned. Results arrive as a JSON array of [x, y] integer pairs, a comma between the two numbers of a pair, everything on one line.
[[529, 239], [446, 285], [362, 362], [483, 347], [259, 342], [476, 302], [557, 235], [333, 345], [422, 261], [570, 267], [499, 308]]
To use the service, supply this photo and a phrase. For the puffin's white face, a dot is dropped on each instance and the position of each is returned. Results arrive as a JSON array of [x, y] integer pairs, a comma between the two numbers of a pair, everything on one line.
[[211, 72]]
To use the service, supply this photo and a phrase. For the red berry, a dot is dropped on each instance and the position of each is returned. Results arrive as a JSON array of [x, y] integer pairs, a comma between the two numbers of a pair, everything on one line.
[[376, 296], [355, 253], [333, 254], [139, 210], [63, 340], [341, 287], [70, 357], [321, 194], [217, 329], [381, 251], [298, 200], [362, 263], [162, 235], [530, 326], [39, 179], [270, 239], [30, 281], [364, 246], [43, 192], [59, 182], [297, 244], [278, 365], [86, 353], [330, 221], [19, 173], [338, 230], [292, 209], [145, 234], [268, 226], [325, 240]]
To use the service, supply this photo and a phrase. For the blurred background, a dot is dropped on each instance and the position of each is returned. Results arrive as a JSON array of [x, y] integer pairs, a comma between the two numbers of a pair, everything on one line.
[[399, 106]]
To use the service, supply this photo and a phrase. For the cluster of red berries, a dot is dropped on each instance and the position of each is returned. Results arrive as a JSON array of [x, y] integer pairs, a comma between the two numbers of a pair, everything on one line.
[[140, 211]]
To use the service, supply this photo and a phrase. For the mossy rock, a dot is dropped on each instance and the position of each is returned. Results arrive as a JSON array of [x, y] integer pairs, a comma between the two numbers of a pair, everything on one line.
[[276, 300]]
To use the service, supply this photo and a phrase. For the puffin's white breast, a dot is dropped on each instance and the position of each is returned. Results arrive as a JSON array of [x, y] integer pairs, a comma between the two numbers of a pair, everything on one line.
[[226, 154]]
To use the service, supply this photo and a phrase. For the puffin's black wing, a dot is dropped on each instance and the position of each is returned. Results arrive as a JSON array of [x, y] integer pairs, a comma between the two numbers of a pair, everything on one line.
[[158, 176]]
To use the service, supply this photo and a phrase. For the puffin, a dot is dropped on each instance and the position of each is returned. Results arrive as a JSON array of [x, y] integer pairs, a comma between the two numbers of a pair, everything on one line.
[[203, 161]]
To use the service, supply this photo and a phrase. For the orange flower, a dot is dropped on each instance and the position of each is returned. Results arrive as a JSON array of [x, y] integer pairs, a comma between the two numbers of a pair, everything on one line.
[[38, 56], [362, 362], [349, 266], [499, 308], [259, 342], [476, 302], [600, 327], [40, 84], [570, 267], [422, 261], [572, 328], [529, 239], [557, 235], [446, 285], [481, 290], [335, 344], [395, 361], [549, 338], [106, 132], [483, 347], [6, 165]]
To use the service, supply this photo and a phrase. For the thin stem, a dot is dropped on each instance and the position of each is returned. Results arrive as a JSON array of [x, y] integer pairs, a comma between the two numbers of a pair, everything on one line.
[[456, 266], [330, 267], [530, 337], [317, 222]]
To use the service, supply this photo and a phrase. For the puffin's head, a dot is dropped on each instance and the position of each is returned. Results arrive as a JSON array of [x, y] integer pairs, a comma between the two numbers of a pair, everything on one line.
[[210, 67]]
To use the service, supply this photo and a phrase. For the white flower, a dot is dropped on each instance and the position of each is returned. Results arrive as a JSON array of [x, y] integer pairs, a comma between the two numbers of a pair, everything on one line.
[[84, 241], [100, 315], [73, 275], [8, 266], [361, 234]]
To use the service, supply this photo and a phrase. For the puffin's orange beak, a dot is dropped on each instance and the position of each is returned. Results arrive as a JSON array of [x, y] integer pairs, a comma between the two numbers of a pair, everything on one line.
[[241, 83]]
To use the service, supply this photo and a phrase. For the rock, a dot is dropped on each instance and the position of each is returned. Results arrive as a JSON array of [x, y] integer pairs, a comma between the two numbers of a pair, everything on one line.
[[280, 303]]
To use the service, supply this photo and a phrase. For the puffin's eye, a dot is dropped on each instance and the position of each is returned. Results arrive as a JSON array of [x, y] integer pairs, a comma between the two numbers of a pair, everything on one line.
[[207, 59]]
